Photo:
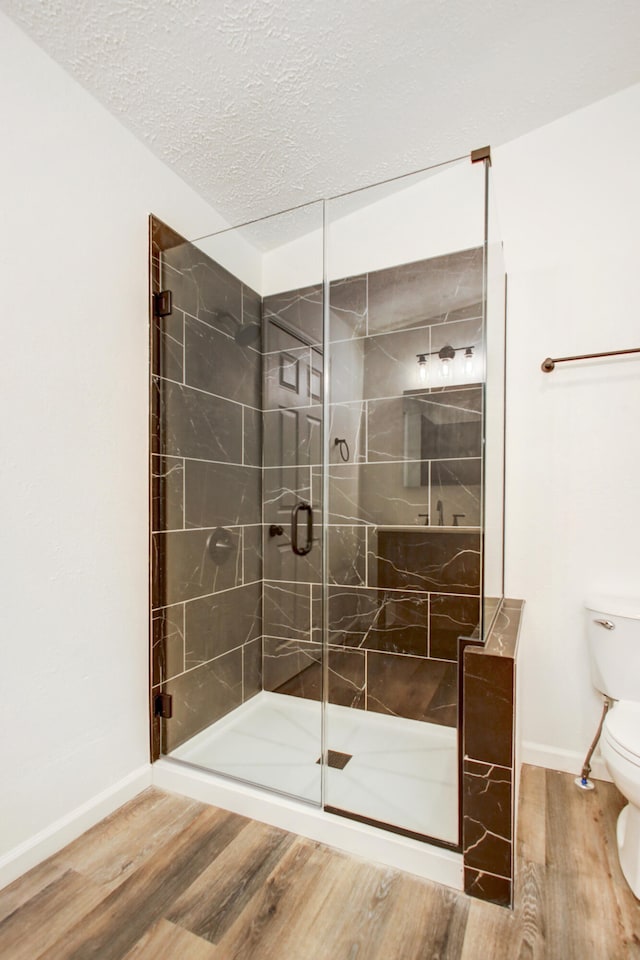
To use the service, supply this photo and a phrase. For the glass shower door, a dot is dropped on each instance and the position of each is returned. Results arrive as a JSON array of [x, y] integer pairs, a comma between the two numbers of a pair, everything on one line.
[[292, 644], [236, 548]]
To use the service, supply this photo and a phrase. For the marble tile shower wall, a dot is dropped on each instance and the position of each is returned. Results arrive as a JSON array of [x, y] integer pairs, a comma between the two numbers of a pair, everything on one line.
[[207, 489], [229, 369], [292, 458], [398, 598]]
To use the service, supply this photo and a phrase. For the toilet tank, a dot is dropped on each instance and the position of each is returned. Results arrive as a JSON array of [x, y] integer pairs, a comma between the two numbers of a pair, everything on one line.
[[613, 633]]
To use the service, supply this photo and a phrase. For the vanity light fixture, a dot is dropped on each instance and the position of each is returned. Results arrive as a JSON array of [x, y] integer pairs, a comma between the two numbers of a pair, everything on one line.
[[446, 355]]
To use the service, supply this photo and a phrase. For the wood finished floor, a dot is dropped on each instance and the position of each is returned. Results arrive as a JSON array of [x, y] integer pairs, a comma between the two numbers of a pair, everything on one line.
[[166, 878]]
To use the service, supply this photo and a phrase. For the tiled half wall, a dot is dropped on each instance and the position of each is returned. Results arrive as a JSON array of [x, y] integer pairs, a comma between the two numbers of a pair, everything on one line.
[[489, 736]]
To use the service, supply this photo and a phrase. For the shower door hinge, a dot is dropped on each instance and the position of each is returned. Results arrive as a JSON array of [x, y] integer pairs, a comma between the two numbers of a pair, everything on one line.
[[482, 153], [163, 706], [162, 303]]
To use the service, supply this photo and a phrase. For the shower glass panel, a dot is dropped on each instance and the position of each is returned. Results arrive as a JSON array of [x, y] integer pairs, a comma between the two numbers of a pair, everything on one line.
[[405, 345], [237, 455], [494, 419], [327, 404]]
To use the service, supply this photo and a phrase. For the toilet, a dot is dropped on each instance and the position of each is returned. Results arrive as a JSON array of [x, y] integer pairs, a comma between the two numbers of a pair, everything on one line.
[[613, 631]]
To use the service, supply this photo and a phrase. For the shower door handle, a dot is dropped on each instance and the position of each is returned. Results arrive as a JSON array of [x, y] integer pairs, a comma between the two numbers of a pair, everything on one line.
[[299, 508]]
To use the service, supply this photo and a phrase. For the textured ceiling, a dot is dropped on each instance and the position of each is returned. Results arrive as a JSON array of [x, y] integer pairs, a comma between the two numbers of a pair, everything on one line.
[[262, 104]]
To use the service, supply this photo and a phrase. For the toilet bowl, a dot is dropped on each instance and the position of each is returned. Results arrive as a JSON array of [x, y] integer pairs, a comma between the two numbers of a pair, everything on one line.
[[620, 748], [613, 629]]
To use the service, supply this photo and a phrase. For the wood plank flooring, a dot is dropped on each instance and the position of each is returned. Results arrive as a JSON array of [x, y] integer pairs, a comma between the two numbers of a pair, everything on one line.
[[166, 877]]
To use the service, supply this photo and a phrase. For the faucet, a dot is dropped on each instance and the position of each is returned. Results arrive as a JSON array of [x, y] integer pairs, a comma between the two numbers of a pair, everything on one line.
[[440, 512], [426, 518]]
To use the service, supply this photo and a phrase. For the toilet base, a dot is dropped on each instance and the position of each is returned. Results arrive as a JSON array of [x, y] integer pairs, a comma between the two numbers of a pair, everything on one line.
[[628, 837]]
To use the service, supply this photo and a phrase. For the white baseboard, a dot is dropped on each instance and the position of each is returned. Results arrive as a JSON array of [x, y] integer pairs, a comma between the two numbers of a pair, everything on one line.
[[357, 839], [56, 836], [567, 761]]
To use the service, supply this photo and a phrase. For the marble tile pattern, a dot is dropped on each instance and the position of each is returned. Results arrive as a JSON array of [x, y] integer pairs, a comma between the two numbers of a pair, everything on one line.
[[399, 598], [299, 311], [202, 696], [413, 687], [411, 450], [488, 773], [167, 635], [206, 488], [376, 478], [293, 370], [436, 291], [430, 560], [486, 834], [232, 421]]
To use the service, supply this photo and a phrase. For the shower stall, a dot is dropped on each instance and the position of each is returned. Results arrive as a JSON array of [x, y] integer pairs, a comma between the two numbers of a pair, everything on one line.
[[327, 430]]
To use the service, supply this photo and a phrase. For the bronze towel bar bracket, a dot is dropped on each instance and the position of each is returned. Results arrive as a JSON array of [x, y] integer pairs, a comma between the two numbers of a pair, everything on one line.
[[548, 365]]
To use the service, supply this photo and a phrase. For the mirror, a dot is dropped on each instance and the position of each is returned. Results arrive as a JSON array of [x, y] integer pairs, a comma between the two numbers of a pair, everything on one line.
[[441, 426]]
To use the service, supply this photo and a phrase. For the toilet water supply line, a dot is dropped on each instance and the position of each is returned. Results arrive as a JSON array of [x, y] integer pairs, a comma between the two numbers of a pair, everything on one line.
[[583, 780]]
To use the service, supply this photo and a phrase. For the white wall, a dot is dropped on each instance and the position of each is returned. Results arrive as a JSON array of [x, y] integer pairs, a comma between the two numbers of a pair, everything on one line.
[[76, 193], [569, 197], [422, 216]]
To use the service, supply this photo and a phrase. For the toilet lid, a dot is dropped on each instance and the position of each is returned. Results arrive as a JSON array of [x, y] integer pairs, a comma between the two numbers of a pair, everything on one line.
[[623, 726]]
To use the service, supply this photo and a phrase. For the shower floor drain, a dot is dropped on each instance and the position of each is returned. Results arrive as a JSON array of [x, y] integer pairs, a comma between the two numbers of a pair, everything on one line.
[[336, 759]]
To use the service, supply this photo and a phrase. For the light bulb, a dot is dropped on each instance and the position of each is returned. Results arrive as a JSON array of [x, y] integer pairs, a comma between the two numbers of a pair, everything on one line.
[[422, 367], [446, 354], [468, 361]]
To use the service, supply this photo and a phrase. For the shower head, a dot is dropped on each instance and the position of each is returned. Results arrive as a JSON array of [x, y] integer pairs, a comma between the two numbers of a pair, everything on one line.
[[243, 334], [248, 334]]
